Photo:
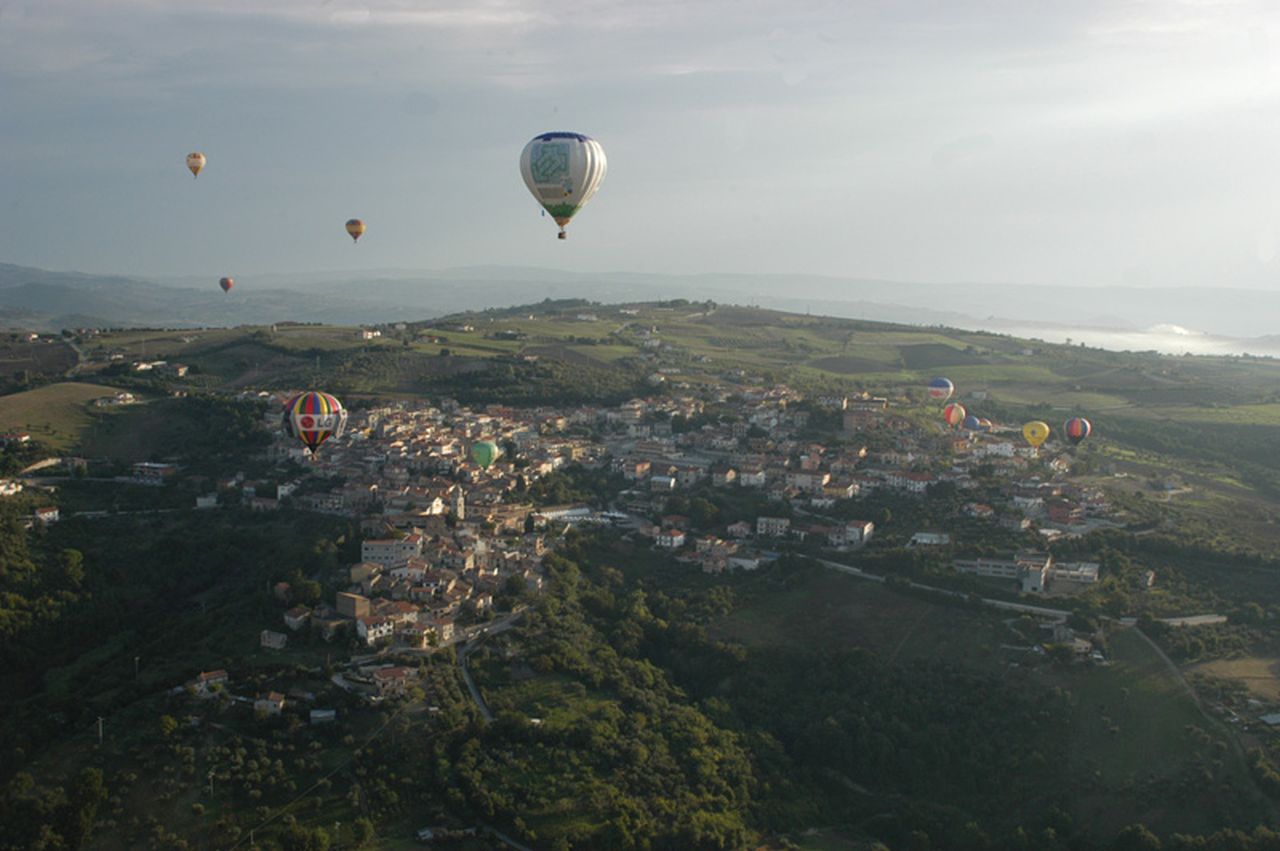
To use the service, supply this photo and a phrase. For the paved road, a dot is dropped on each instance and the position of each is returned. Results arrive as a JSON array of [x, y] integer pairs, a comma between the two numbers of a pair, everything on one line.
[[498, 626], [1059, 614], [463, 653]]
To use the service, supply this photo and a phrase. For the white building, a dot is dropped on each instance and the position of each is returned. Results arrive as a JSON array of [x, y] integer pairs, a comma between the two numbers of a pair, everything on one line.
[[772, 526]]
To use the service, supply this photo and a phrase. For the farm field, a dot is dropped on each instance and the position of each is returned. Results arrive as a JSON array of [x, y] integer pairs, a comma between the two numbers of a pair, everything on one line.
[[1115, 774], [42, 358], [1260, 674], [57, 415], [1135, 729]]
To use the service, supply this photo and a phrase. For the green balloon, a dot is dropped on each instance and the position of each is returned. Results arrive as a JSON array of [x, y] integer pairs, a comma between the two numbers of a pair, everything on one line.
[[485, 453]]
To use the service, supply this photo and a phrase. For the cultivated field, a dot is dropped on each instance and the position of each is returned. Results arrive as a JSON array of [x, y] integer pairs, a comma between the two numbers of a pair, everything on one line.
[[1261, 674], [56, 414]]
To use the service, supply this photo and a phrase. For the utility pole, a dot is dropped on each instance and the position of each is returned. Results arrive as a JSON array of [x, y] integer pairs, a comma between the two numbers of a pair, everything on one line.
[[210, 782], [135, 666], [337, 831], [100, 720]]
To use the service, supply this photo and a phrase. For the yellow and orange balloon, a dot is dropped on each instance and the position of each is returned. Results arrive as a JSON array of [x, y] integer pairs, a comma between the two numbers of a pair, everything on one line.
[[195, 162], [355, 229]]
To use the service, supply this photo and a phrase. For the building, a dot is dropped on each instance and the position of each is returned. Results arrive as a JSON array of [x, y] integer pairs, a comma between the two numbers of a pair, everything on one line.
[[297, 617], [269, 640], [393, 681], [352, 605], [324, 716], [929, 539], [47, 515], [390, 552], [1079, 572], [1029, 569], [374, 628], [859, 531], [153, 474], [671, 539], [772, 527], [209, 682], [269, 703]]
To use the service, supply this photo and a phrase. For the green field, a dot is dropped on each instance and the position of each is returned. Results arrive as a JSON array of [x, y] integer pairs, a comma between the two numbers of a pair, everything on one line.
[[57, 415]]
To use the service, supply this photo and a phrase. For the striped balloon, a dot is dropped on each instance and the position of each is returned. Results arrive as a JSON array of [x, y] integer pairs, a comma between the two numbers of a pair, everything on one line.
[[313, 418], [941, 389], [1076, 429], [954, 414]]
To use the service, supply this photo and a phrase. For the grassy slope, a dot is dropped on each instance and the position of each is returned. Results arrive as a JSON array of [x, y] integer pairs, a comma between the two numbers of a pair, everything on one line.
[[56, 414], [1115, 776]]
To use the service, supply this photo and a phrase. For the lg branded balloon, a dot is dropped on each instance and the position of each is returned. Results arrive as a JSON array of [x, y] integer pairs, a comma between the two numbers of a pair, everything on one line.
[[226, 284], [485, 453], [313, 418], [1076, 429], [1035, 433], [195, 162], [941, 389], [563, 171], [953, 414], [355, 228]]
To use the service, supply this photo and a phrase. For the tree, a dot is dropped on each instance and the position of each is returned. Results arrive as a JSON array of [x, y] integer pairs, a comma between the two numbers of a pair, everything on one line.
[[168, 725], [1137, 837], [363, 832]]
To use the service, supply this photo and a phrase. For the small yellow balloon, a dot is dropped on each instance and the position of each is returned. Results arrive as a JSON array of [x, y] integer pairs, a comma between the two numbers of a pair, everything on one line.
[[355, 229], [1036, 432], [195, 162]]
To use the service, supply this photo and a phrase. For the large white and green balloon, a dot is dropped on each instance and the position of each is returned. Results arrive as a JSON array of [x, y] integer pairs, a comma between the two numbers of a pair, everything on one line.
[[563, 171]]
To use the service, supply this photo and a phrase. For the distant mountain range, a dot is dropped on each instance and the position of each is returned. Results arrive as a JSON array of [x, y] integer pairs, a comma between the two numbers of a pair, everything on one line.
[[1135, 317]]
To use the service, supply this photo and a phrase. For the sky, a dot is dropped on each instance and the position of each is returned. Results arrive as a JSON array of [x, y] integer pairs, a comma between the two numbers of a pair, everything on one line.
[[1083, 143]]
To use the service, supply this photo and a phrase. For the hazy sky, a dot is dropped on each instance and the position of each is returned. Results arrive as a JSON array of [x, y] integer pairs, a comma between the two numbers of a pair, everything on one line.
[[1080, 142]]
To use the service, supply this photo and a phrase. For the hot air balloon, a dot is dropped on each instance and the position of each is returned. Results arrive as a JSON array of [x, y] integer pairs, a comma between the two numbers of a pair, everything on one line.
[[941, 389], [195, 162], [227, 284], [1035, 433], [954, 414], [563, 171], [313, 418], [1076, 429], [355, 228], [985, 424], [485, 453], [971, 423]]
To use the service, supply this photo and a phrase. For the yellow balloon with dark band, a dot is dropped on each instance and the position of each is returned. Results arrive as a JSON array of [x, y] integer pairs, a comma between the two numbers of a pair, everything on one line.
[[1036, 432], [195, 162], [355, 228]]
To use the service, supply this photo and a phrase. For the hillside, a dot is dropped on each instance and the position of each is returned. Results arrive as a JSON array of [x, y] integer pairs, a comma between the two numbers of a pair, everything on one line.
[[785, 705]]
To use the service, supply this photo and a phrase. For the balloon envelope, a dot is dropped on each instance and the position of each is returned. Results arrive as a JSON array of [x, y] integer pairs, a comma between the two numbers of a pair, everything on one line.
[[972, 423], [313, 418], [195, 162], [226, 284], [563, 171], [954, 414], [1076, 429], [355, 228], [1035, 432], [485, 453], [941, 388]]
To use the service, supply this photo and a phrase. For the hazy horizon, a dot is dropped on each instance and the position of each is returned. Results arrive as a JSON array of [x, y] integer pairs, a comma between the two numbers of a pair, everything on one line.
[[1097, 144]]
